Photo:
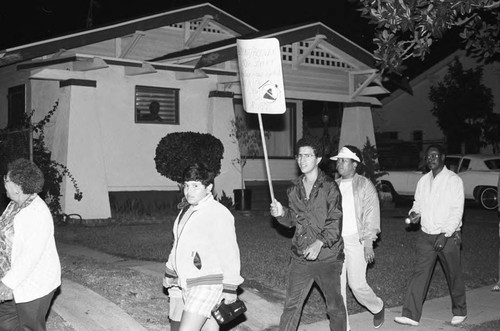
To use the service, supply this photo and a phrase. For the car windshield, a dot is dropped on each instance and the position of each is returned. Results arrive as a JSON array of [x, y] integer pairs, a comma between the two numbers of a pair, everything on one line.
[[493, 164]]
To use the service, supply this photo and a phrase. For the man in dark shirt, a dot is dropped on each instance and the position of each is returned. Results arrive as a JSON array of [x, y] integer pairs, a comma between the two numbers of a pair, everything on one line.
[[315, 210]]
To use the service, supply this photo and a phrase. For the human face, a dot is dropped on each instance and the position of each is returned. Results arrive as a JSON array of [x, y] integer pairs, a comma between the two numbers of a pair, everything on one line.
[[435, 160], [307, 160], [346, 167], [195, 191], [11, 188]]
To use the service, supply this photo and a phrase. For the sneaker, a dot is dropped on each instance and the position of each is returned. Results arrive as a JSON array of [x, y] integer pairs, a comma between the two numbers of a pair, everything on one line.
[[378, 318], [405, 321], [458, 320]]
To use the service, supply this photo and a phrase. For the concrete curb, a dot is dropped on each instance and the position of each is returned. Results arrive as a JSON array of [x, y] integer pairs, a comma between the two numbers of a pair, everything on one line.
[[86, 310], [483, 305]]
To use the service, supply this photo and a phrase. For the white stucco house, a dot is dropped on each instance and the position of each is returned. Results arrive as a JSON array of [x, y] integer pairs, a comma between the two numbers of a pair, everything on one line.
[[408, 117], [183, 63]]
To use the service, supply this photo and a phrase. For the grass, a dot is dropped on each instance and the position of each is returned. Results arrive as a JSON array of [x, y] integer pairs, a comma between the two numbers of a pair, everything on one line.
[[264, 247]]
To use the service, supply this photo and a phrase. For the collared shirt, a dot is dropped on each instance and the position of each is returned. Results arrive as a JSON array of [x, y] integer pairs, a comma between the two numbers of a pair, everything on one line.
[[349, 225], [440, 202]]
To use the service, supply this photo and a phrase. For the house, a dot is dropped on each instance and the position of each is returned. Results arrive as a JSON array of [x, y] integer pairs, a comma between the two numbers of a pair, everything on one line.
[[121, 88], [408, 118]]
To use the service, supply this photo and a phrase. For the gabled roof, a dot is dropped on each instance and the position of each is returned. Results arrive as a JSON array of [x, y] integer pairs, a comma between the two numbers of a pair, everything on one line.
[[50, 46], [225, 50]]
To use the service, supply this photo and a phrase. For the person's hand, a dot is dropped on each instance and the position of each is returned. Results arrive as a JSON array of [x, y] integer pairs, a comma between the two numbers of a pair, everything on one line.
[[5, 293], [440, 242], [311, 253], [369, 254], [169, 282], [414, 217], [276, 208], [229, 297]]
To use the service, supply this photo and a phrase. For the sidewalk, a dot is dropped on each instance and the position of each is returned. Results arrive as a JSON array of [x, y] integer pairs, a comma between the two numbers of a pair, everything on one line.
[[85, 310]]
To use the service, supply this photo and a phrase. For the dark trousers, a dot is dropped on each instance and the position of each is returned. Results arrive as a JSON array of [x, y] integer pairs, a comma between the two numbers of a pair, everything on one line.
[[26, 316], [300, 279], [424, 267]]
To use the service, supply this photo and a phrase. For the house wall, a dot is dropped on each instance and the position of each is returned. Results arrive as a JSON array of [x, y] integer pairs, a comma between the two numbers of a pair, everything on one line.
[[105, 150], [404, 113]]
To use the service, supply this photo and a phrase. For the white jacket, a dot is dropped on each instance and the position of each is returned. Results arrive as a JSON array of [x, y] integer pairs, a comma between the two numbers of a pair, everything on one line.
[[205, 251], [35, 268]]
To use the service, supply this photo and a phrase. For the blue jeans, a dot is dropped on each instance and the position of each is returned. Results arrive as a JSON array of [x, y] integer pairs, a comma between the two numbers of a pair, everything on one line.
[[301, 276]]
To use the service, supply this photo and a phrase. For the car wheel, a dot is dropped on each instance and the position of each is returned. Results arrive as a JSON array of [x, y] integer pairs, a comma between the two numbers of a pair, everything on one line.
[[488, 198]]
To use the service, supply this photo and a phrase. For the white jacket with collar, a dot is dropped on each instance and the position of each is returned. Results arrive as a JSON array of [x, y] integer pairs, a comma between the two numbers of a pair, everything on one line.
[[35, 268], [205, 251], [367, 208]]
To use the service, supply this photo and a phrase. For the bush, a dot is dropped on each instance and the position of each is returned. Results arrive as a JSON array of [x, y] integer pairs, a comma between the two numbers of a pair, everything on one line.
[[371, 167], [53, 172], [176, 151], [225, 200]]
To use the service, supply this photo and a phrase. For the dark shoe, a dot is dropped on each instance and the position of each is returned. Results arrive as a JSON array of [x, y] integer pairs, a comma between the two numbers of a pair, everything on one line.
[[378, 318]]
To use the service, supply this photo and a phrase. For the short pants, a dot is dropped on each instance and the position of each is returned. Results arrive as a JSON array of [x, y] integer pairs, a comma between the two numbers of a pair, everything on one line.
[[202, 299]]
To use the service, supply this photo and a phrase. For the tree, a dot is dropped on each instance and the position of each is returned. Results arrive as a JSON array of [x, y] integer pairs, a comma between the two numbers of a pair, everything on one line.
[[248, 141], [463, 107], [408, 28]]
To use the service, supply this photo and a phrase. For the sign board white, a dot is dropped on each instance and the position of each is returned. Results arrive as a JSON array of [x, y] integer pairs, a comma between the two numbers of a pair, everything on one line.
[[261, 76]]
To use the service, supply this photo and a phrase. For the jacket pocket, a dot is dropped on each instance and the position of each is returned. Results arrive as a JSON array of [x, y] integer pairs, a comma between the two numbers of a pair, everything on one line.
[[197, 261]]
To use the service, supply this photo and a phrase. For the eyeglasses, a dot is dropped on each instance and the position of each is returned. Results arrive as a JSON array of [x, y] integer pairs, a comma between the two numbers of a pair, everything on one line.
[[433, 156], [304, 156]]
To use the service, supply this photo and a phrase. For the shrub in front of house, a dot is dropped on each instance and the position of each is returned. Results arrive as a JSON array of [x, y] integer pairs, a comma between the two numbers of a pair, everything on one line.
[[178, 150]]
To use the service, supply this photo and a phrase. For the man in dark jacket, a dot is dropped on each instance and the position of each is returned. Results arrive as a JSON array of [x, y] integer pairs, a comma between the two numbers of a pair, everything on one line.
[[315, 210]]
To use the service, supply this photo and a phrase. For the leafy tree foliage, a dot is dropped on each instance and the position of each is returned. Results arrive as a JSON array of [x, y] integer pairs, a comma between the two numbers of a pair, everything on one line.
[[408, 28], [463, 107], [249, 143]]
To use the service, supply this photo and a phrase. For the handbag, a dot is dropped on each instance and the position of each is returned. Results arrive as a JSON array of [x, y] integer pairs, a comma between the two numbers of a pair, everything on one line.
[[225, 313]]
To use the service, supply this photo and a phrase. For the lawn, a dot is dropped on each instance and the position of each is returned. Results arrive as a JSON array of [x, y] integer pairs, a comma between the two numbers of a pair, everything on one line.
[[264, 247]]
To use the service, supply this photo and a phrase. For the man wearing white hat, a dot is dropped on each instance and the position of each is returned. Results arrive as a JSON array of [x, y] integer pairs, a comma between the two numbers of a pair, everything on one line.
[[361, 224]]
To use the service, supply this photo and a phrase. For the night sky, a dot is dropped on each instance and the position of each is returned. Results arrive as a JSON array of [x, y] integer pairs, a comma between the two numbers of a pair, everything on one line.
[[26, 21]]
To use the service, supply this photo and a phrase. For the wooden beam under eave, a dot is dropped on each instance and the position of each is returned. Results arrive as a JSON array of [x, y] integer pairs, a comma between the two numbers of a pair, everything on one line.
[[146, 68], [374, 90], [197, 74], [137, 36], [373, 76], [195, 34], [90, 64], [298, 60], [56, 74]]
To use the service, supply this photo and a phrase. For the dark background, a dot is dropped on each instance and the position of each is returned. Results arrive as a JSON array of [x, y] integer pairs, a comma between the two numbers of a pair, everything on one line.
[[25, 21]]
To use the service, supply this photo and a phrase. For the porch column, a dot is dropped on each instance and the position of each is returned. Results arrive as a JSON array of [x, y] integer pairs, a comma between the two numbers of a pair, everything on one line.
[[221, 113], [357, 125]]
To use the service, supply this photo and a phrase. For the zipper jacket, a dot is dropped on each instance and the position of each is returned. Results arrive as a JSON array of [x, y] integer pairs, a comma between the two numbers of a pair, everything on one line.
[[205, 250], [316, 217], [367, 209]]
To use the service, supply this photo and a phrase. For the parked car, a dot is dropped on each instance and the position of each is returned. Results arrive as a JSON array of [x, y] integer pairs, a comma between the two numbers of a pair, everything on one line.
[[479, 172]]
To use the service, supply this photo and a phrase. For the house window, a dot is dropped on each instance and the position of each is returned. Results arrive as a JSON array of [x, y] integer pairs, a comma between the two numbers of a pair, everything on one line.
[[282, 129], [156, 105], [16, 106]]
